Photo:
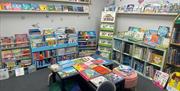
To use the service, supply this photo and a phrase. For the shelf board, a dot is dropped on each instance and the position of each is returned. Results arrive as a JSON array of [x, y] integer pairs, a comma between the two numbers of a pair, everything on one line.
[[153, 14], [63, 1], [107, 30], [105, 45], [31, 11], [126, 54], [178, 66], [175, 44], [106, 37], [12, 48], [110, 22], [154, 64], [117, 50], [139, 59]]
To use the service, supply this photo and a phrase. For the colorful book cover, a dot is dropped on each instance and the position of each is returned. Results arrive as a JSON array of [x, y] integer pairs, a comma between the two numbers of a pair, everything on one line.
[[88, 58], [26, 6], [113, 77], [19, 71], [43, 7], [101, 69], [35, 6], [97, 81], [78, 60], [160, 79], [80, 66], [88, 63], [156, 58], [51, 8], [66, 63], [4, 74], [89, 74], [98, 61], [67, 72], [7, 6], [16, 6], [151, 38]]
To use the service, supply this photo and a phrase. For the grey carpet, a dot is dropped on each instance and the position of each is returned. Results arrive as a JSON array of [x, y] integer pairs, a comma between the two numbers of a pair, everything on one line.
[[37, 81]]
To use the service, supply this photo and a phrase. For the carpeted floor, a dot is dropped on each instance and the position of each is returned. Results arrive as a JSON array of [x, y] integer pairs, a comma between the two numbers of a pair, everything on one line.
[[37, 81]]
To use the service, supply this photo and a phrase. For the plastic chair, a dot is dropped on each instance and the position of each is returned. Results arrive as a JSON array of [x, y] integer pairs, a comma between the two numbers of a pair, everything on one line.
[[107, 86]]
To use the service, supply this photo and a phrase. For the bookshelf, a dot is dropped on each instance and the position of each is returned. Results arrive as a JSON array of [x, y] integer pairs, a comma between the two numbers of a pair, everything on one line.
[[15, 52], [139, 56], [51, 48], [173, 63], [106, 33], [88, 45], [152, 14]]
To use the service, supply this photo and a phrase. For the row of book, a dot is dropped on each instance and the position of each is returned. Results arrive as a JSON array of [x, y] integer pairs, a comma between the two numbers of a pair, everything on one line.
[[173, 56], [20, 40], [11, 6], [151, 8]]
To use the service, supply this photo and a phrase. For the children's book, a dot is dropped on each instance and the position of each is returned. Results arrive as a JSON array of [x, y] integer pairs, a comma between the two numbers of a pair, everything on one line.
[[78, 60], [80, 66], [174, 82], [4, 74], [51, 7], [26, 6], [138, 52], [97, 81], [19, 71], [156, 58], [88, 63], [7, 6], [160, 78], [67, 72], [88, 58], [16, 6], [89, 74], [151, 38], [35, 6], [113, 77], [101, 69], [43, 7], [66, 63]]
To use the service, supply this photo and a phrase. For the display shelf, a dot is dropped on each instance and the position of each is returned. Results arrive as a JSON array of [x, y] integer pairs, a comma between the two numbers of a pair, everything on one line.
[[143, 13], [105, 37], [105, 45], [30, 11], [154, 64], [12, 48], [87, 48], [117, 50], [53, 47], [15, 43]]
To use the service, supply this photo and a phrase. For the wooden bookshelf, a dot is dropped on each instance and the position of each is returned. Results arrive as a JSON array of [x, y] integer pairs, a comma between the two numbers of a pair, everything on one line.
[[143, 60], [152, 14], [30, 11]]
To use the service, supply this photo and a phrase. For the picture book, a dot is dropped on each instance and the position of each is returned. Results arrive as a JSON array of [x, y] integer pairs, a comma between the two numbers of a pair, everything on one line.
[[118, 45], [26, 6], [66, 63], [160, 79], [80, 66], [16, 6], [58, 8], [80, 9], [67, 72], [101, 70], [127, 60], [98, 61], [156, 58], [89, 74], [130, 7], [43, 7], [108, 16], [35, 6], [70, 8], [128, 48], [113, 77], [78, 60], [4, 74], [7, 6], [135, 34], [51, 7], [138, 66], [19, 71], [97, 81], [163, 31], [151, 38], [88, 63], [174, 82], [88, 58]]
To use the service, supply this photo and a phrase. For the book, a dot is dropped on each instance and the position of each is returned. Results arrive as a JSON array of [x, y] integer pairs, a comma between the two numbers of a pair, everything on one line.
[[128, 48], [78, 60], [60, 51], [66, 63], [80, 66], [51, 7], [118, 45], [151, 38], [127, 60], [88, 58], [156, 58], [58, 8], [89, 74], [68, 71], [16, 6], [101, 70], [138, 52], [43, 7], [4, 74], [138, 66], [26, 6], [97, 81], [113, 77], [160, 79], [19, 71], [150, 71], [7, 6], [35, 6], [174, 82]]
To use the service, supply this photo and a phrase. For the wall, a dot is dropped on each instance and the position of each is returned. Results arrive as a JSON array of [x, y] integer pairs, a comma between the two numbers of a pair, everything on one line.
[[13, 23], [144, 21]]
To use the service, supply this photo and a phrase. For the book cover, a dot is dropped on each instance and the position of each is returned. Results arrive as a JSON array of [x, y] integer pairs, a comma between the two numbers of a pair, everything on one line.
[[67, 72], [19, 71], [66, 63], [7, 6], [101, 70], [156, 58], [138, 52], [97, 81], [51, 7], [4, 74], [88, 58], [89, 74], [16, 6], [88, 63], [43, 7], [113, 77], [35, 6], [80, 66], [78, 60], [160, 78], [26, 6], [58, 8], [70, 8], [151, 38]]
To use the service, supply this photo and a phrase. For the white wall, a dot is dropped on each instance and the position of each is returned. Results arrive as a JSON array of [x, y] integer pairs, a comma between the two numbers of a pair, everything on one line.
[[13, 23], [143, 21]]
